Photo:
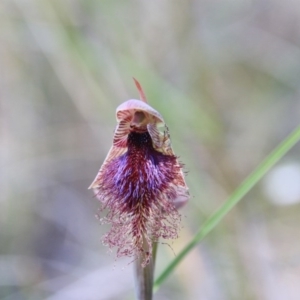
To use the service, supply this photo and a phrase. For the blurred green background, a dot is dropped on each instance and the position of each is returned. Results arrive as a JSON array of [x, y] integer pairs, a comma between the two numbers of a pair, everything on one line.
[[225, 74]]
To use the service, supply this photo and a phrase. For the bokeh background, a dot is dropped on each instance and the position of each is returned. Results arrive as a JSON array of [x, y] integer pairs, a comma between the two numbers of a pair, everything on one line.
[[225, 74]]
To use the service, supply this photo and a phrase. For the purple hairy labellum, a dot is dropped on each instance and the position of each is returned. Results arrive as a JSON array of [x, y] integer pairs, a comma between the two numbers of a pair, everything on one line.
[[141, 182]]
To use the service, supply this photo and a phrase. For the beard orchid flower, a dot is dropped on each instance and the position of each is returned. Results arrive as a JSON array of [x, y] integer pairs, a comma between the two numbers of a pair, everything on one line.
[[141, 182]]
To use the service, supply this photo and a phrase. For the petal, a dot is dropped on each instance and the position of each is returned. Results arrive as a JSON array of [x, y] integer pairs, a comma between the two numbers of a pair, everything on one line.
[[133, 105], [113, 153], [162, 142], [119, 147]]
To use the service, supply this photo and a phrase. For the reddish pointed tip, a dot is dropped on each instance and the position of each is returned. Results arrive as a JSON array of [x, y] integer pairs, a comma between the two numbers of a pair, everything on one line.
[[140, 89]]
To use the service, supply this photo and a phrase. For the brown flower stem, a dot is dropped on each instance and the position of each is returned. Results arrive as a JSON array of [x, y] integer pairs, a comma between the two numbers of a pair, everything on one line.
[[144, 275]]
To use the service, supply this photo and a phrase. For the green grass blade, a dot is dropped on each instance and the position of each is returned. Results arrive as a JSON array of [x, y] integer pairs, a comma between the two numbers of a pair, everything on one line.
[[236, 196]]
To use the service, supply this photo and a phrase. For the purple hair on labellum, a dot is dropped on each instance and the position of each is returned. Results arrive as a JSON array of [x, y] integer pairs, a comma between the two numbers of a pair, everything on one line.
[[141, 182]]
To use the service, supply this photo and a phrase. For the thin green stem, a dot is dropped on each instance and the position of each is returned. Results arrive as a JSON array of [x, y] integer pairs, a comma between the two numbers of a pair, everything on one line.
[[236, 196]]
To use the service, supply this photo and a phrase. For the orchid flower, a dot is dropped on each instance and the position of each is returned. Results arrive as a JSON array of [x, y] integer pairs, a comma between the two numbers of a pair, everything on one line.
[[141, 182]]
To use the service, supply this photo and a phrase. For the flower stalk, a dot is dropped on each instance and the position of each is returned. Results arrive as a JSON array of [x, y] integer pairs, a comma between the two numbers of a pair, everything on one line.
[[144, 275]]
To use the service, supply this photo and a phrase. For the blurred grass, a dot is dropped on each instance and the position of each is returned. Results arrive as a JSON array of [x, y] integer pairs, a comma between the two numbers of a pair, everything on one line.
[[225, 76]]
